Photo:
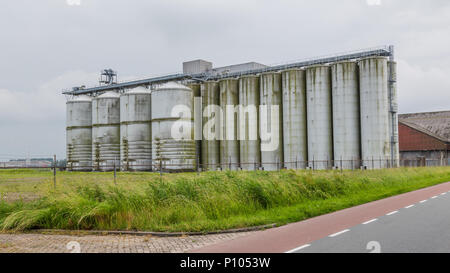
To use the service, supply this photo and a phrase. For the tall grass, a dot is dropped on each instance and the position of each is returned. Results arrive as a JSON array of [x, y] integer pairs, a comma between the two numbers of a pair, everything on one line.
[[206, 202]]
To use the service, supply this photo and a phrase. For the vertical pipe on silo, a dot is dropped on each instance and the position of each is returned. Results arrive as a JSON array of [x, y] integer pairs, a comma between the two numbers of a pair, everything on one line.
[[319, 115], [271, 103], [346, 114], [197, 115], [248, 116], [210, 92], [393, 97], [229, 145], [294, 118], [375, 115]]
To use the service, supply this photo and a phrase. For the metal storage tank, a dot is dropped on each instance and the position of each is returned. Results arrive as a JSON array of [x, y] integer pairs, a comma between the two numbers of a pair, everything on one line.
[[135, 130], [271, 96], [375, 131], [346, 115], [210, 91], [294, 119], [106, 131], [248, 130], [393, 98], [229, 145], [172, 152], [79, 133], [319, 115]]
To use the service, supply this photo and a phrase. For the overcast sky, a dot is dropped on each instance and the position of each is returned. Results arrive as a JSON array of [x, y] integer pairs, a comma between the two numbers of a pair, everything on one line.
[[49, 45]]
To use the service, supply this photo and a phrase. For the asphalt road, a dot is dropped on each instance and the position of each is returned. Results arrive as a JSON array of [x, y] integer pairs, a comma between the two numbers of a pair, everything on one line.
[[423, 227], [417, 222]]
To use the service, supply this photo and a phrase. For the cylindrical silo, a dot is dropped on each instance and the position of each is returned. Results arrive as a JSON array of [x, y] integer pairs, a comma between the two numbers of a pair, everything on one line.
[[248, 130], [106, 131], [294, 119], [135, 130], [319, 115], [229, 145], [375, 132], [271, 121], [197, 115], [210, 91], [79, 134], [392, 68], [173, 141], [346, 115]]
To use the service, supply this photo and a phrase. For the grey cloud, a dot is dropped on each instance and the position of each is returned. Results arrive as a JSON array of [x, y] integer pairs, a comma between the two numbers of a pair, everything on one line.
[[47, 45]]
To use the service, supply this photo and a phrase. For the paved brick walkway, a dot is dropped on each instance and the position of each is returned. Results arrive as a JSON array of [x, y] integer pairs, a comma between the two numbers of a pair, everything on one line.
[[40, 243]]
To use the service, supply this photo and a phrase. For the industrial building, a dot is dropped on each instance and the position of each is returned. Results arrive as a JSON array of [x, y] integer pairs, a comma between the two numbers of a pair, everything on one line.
[[425, 139], [338, 111]]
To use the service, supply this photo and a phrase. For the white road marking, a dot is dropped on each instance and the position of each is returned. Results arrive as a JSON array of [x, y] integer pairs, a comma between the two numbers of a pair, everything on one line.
[[392, 213], [434, 197], [423, 201], [298, 248], [371, 221], [408, 207], [339, 233], [443, 193]]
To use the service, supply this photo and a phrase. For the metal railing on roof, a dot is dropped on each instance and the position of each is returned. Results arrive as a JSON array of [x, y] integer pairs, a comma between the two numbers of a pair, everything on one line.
[[385, 51]]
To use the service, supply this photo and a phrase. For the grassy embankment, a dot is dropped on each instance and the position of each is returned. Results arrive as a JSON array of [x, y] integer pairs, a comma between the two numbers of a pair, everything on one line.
[[191, 202]]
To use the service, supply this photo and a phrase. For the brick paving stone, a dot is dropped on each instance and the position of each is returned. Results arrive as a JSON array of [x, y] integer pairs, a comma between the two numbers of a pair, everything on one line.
[[44, 243]]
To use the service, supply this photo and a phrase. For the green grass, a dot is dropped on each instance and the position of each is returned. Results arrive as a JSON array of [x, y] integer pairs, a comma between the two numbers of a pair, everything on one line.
[[190, 202]]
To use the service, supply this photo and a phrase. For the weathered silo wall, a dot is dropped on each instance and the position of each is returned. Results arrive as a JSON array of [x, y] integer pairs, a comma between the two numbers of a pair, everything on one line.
[[229, 145], [393, 98], [197, 115], [135, 130], [106, 131], [79, 134], [271, 121], [319, 115], [375, 131], [210, 91], [248, 130], [346, 115], [173, 144], [294, 119]]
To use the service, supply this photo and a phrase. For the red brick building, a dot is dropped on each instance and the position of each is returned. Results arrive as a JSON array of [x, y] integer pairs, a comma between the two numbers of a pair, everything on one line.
[[424, 139]]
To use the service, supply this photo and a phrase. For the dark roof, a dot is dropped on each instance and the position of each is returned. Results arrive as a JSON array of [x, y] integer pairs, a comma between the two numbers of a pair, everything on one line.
[[436, 124]]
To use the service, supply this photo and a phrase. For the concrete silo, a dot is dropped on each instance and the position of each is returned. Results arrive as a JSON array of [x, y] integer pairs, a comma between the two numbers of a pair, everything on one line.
[[294, 119], [210, 91], [106, 131], [135, 130], [229, 145], [248, 130], [319, 115], [375, 116], [79, 134], [346, 115], [197, 115], [393, 98], [173, 144], [271, 121]]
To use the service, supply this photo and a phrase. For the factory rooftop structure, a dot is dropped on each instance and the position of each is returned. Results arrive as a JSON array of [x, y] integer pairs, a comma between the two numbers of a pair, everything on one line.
[[436, 124], [201, 71], [425, 139]]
